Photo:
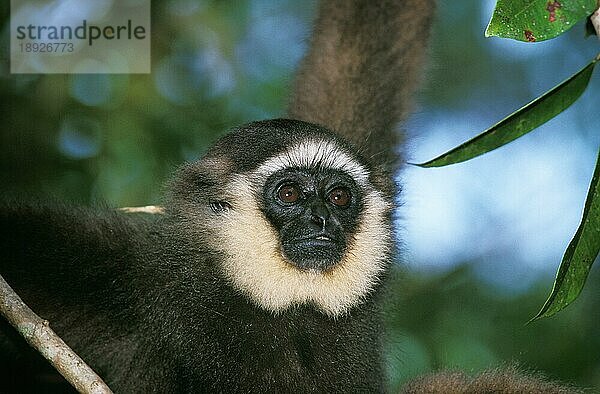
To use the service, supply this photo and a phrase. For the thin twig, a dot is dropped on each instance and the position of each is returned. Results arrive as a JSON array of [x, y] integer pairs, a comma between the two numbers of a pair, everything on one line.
[[595, 18], [153, 209], [40, 336]]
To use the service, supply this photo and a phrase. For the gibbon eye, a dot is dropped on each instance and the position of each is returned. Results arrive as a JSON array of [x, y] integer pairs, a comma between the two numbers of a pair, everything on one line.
[[288, 193], [340, 196]]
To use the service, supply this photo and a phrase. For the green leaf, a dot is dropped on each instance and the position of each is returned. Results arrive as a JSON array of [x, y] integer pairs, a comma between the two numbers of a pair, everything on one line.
[[520, 122], [537, 20], [580, 254]]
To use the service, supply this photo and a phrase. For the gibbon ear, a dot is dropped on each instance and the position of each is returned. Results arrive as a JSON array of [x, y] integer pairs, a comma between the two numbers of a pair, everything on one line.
[[199, 182]]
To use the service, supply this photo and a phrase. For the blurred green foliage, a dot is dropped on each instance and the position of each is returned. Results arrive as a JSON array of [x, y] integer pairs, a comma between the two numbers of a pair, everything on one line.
[[452, 321], [217, 64], [116, 138]]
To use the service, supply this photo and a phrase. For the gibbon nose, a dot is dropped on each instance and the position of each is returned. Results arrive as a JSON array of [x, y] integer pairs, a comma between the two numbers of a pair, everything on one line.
[[319, 215]]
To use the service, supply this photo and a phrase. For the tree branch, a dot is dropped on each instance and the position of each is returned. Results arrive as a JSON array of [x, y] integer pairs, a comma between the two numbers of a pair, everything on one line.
[[40, 336]]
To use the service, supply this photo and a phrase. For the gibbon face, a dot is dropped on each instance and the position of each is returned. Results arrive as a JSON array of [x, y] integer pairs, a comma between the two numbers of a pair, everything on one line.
[[315, 212], [304, 225]]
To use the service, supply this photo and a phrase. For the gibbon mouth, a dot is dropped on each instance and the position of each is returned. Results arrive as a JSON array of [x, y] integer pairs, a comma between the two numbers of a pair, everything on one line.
[[316, 237], [319, 252], [317, 244]]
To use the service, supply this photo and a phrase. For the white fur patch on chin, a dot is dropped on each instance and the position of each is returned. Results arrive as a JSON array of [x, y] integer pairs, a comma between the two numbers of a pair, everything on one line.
[[254, 263]]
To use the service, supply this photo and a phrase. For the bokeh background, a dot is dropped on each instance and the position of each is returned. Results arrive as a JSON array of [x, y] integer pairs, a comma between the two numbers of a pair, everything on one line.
[[481, 240]]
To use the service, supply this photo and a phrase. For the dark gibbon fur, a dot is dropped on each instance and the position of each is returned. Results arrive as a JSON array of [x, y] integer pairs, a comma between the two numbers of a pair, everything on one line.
[[266, 273], [361, 70], [507, 380]]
